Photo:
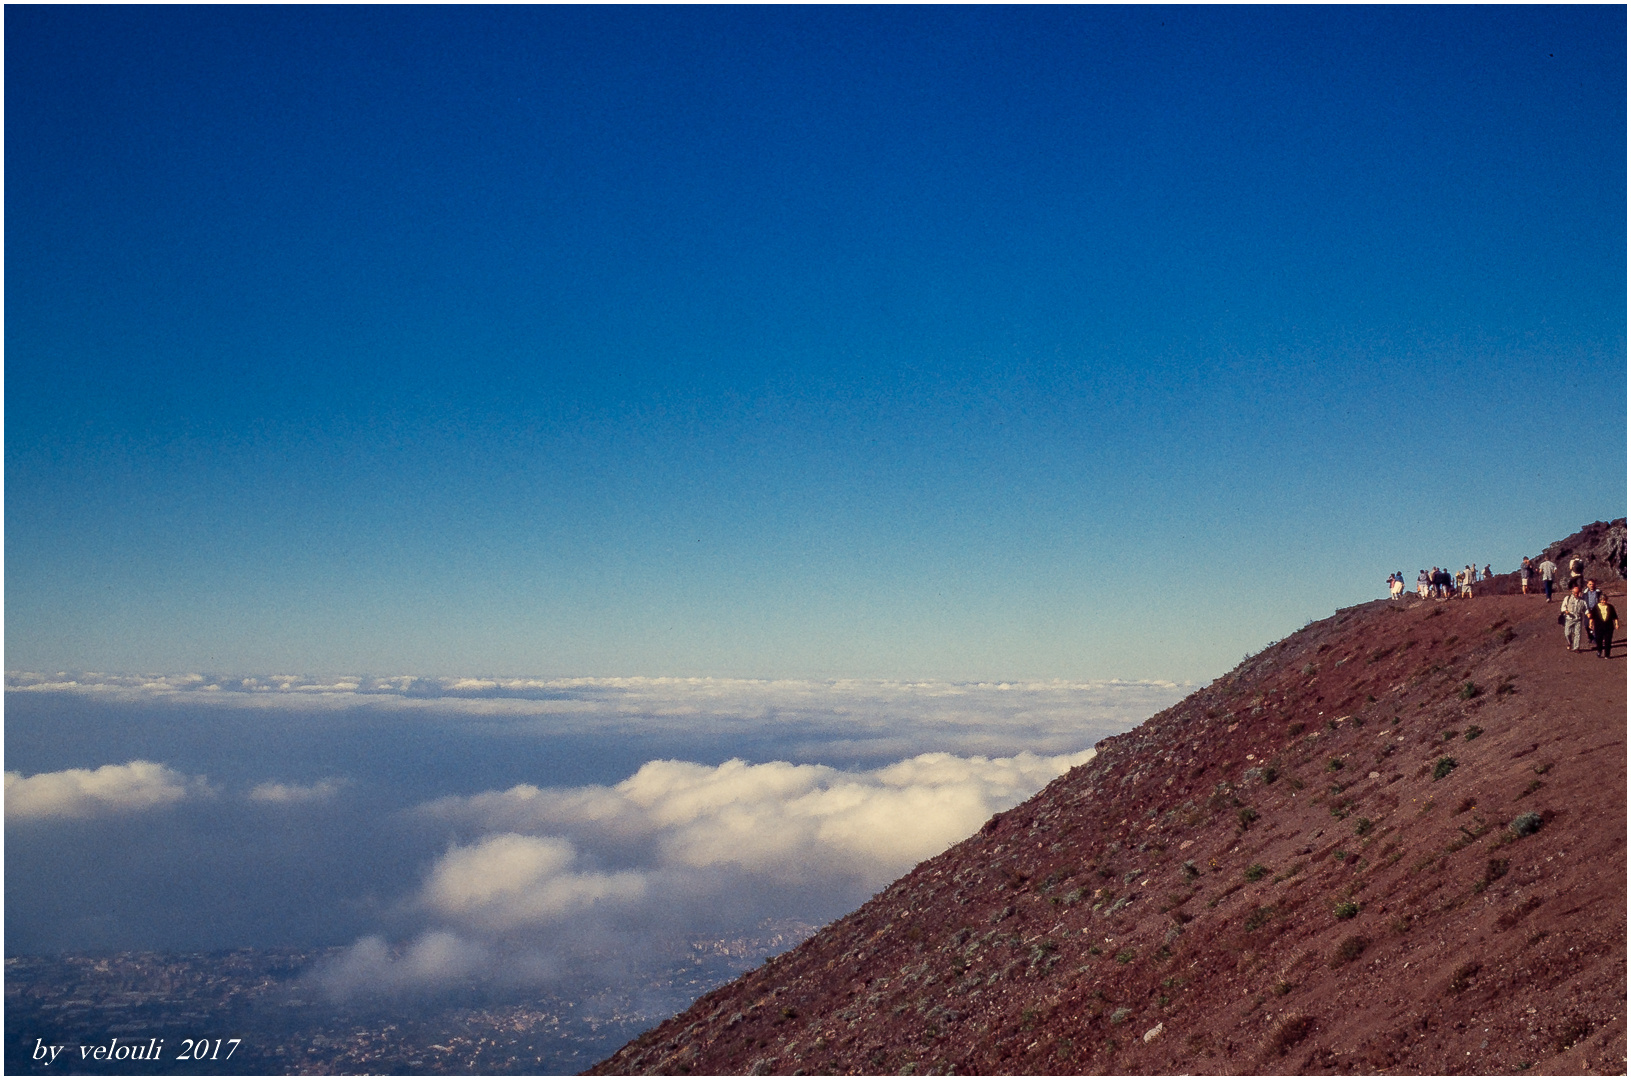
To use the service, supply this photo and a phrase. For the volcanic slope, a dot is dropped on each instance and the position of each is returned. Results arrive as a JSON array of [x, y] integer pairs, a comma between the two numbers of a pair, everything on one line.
[[1308, 866]]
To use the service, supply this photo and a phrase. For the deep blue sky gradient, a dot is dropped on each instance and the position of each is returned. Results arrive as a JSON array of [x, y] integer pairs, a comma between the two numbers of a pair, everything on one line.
[[960, 343]]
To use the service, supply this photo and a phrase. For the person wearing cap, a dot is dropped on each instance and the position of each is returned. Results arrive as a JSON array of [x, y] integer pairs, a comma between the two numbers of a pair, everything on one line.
[[1574, 617], [1590, 596], [1603, 620]]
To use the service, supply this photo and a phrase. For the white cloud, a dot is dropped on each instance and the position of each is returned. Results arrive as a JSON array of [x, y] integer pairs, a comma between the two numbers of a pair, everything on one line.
[[733, 843], [321, 791], [509, 881], [86, 793], [777, 819], [828, 719], [434, 959]]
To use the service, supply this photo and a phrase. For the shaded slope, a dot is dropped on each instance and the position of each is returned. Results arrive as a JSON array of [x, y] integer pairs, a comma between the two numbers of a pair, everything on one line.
[[1265, 877]]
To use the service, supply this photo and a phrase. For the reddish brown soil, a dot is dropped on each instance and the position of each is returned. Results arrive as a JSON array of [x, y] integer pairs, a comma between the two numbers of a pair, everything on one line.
[[1136, 917]]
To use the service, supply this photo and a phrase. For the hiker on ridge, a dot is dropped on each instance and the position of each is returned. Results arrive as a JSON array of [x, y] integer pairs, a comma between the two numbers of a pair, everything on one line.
[[1548, 570], [1523, 574]]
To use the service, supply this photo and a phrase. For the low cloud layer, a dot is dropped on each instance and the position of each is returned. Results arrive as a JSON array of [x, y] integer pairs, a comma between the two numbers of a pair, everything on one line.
[[539, 881], [88, 793], [842, 720], [493, 834], [776, 819]]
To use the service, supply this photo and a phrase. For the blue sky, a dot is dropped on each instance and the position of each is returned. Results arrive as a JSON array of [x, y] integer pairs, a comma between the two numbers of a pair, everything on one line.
[[890, 343]]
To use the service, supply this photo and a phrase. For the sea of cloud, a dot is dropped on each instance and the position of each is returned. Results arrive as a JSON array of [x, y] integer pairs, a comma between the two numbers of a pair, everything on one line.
[[398, 814]]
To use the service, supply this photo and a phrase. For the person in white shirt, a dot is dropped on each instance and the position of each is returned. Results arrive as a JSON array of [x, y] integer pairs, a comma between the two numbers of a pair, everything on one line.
[[1574, 618], [1548, 570]]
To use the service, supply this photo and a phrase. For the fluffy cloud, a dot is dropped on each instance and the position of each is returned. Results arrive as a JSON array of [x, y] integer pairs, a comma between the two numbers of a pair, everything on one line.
[[777, 820], [529, 896], [87, 793], [321, 791], [510, 881], [432, 960]]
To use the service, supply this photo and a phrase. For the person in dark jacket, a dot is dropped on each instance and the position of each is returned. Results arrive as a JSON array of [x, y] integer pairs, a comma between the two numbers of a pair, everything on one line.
[[1603, 620]]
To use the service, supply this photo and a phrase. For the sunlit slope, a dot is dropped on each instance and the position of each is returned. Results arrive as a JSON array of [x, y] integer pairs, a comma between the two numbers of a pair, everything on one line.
[[1394, 841]]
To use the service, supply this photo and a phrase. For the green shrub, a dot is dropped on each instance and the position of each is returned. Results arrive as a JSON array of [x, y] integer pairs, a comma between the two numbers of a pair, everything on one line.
[[1443, 767], [1256, 872], [1469, 690], [1247, 815], [1346, 910], [1333, 765], [1363, 826], [1125, 956], [1473, 732], [1527, 824]]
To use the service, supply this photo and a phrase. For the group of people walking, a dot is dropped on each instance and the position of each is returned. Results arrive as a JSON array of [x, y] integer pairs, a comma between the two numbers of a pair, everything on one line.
[[1587, 608], [1585, 614], [1547, 571], [1439, 582]]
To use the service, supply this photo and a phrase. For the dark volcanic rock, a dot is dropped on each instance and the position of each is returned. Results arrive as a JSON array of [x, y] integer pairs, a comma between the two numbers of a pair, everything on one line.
[[1308, 866], [1601, 544]]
